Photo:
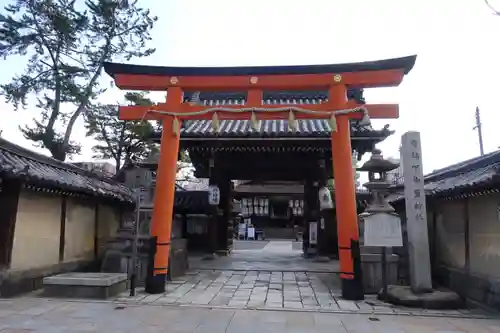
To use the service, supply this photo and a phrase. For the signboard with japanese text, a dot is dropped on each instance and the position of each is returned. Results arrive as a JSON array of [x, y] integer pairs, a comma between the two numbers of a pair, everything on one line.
[[382, 229]]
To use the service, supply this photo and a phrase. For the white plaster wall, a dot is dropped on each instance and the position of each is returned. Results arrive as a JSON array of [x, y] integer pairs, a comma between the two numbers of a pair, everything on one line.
[[108, 223], [80, 230], [450, 233], [36, 233], [484, 235]]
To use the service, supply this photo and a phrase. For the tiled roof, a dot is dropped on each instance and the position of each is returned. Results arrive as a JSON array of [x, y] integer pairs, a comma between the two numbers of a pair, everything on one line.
[[274, 128], [405, 63], [270, 128], [477, 173], [268, 98], [43, 171]]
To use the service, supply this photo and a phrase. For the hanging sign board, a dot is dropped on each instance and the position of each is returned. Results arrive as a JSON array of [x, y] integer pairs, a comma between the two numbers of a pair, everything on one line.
[[313, 232], [213, 195], [383, 230], [325, 198]]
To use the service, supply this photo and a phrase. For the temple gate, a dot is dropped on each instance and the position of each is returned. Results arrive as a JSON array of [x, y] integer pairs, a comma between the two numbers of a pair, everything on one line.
[[253, 83]]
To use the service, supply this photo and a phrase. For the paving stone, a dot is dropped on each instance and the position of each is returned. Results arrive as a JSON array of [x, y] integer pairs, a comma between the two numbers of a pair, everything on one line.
[[151, 298], [246, 286], [347, 305], [273, 305], [255, 304], [364, 306], [237, 303], [292, 305]]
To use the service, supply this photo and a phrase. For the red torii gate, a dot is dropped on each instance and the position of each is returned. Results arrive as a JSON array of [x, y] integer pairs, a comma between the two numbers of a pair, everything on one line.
[[336, 79]]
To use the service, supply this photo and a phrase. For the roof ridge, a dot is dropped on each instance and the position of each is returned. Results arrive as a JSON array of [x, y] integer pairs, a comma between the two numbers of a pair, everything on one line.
[[465, 166], [40, 158]]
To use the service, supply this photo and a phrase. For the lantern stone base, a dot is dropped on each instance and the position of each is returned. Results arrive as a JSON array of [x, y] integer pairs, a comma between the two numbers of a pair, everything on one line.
[[436, 299], [371, 264]]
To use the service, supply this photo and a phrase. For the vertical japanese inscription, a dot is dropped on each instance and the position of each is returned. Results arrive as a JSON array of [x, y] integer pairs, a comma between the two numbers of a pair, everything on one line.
[[416, 214], [417, 179]]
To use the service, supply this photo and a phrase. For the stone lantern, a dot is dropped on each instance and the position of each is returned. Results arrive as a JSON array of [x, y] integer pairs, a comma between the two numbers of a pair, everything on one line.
[[380, 227], [378, 185]]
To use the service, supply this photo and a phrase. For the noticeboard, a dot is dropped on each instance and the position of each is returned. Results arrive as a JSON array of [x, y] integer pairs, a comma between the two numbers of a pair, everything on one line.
[[383, 230]]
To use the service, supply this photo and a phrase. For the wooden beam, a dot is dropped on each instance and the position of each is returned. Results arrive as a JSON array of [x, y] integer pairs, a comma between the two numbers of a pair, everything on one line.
[[62, 228], [375, 111], [96, 230], [9, 204], [367, 79]]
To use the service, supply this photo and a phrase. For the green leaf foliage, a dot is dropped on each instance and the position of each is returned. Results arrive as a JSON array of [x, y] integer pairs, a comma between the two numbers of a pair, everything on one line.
[[65, 43], [120, 140]]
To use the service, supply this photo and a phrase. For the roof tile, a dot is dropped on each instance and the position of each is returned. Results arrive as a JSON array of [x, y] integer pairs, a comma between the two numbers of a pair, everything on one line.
[[272, 128], [477, 172], [19, 162]]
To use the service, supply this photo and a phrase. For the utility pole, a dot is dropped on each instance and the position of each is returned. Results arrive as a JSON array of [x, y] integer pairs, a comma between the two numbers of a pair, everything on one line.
[[479, 130]]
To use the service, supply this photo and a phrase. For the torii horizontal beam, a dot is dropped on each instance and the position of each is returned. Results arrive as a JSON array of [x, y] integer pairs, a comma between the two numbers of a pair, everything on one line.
[[389, 78], [153, 112]]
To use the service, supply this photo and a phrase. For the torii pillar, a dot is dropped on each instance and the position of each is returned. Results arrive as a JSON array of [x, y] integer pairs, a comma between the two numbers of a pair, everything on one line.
[[163, 210]]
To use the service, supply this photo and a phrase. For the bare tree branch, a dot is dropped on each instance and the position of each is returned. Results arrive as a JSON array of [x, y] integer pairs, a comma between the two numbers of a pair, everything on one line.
[[495, 12]]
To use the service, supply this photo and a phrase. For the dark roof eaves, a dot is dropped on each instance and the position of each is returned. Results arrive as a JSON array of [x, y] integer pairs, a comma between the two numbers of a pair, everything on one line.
[[26, 153], [362, 133], [464, 166], [405, 63], [16, 150]]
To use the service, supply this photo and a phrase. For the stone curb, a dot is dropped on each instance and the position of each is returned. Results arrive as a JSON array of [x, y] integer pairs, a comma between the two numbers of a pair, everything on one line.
[[132, 303], [363, 312]]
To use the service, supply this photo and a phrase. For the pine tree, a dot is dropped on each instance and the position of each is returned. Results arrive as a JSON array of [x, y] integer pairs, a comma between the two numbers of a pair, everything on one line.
[[66, 44], [493, 9], [120, 140]]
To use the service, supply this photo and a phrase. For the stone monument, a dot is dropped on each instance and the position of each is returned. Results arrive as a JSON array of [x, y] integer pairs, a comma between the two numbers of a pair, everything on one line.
[[420, 293], [416, 213], [380, 228]]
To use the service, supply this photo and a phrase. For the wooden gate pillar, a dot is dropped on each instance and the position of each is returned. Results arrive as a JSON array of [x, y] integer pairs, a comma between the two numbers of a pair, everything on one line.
[[345, 202], [163, 209], [225, 205]]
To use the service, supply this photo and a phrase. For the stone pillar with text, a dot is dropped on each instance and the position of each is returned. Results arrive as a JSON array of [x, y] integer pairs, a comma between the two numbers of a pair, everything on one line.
[[416, 213]]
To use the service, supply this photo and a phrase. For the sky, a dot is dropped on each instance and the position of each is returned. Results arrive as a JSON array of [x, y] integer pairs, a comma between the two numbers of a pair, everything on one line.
[[457, 68]]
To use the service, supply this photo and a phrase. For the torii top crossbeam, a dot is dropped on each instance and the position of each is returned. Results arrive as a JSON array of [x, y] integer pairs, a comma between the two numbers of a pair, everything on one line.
[[253, 81]]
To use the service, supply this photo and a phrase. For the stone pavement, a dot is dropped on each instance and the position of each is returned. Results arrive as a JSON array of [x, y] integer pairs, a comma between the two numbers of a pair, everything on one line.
[[270, 291], [34, 315], [277, 255], [288, 298], [300, 288]]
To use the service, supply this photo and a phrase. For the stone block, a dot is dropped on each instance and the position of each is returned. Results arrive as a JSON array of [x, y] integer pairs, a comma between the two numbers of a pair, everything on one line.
[[85, 285], [467, 285], [371, 264], [437, 299], [13, 283]]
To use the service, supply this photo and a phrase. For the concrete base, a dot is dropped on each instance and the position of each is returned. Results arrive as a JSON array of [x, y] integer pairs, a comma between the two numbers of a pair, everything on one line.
[[371, 265], [403, 295], [85, 285], [14, 283], [475, 287]]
